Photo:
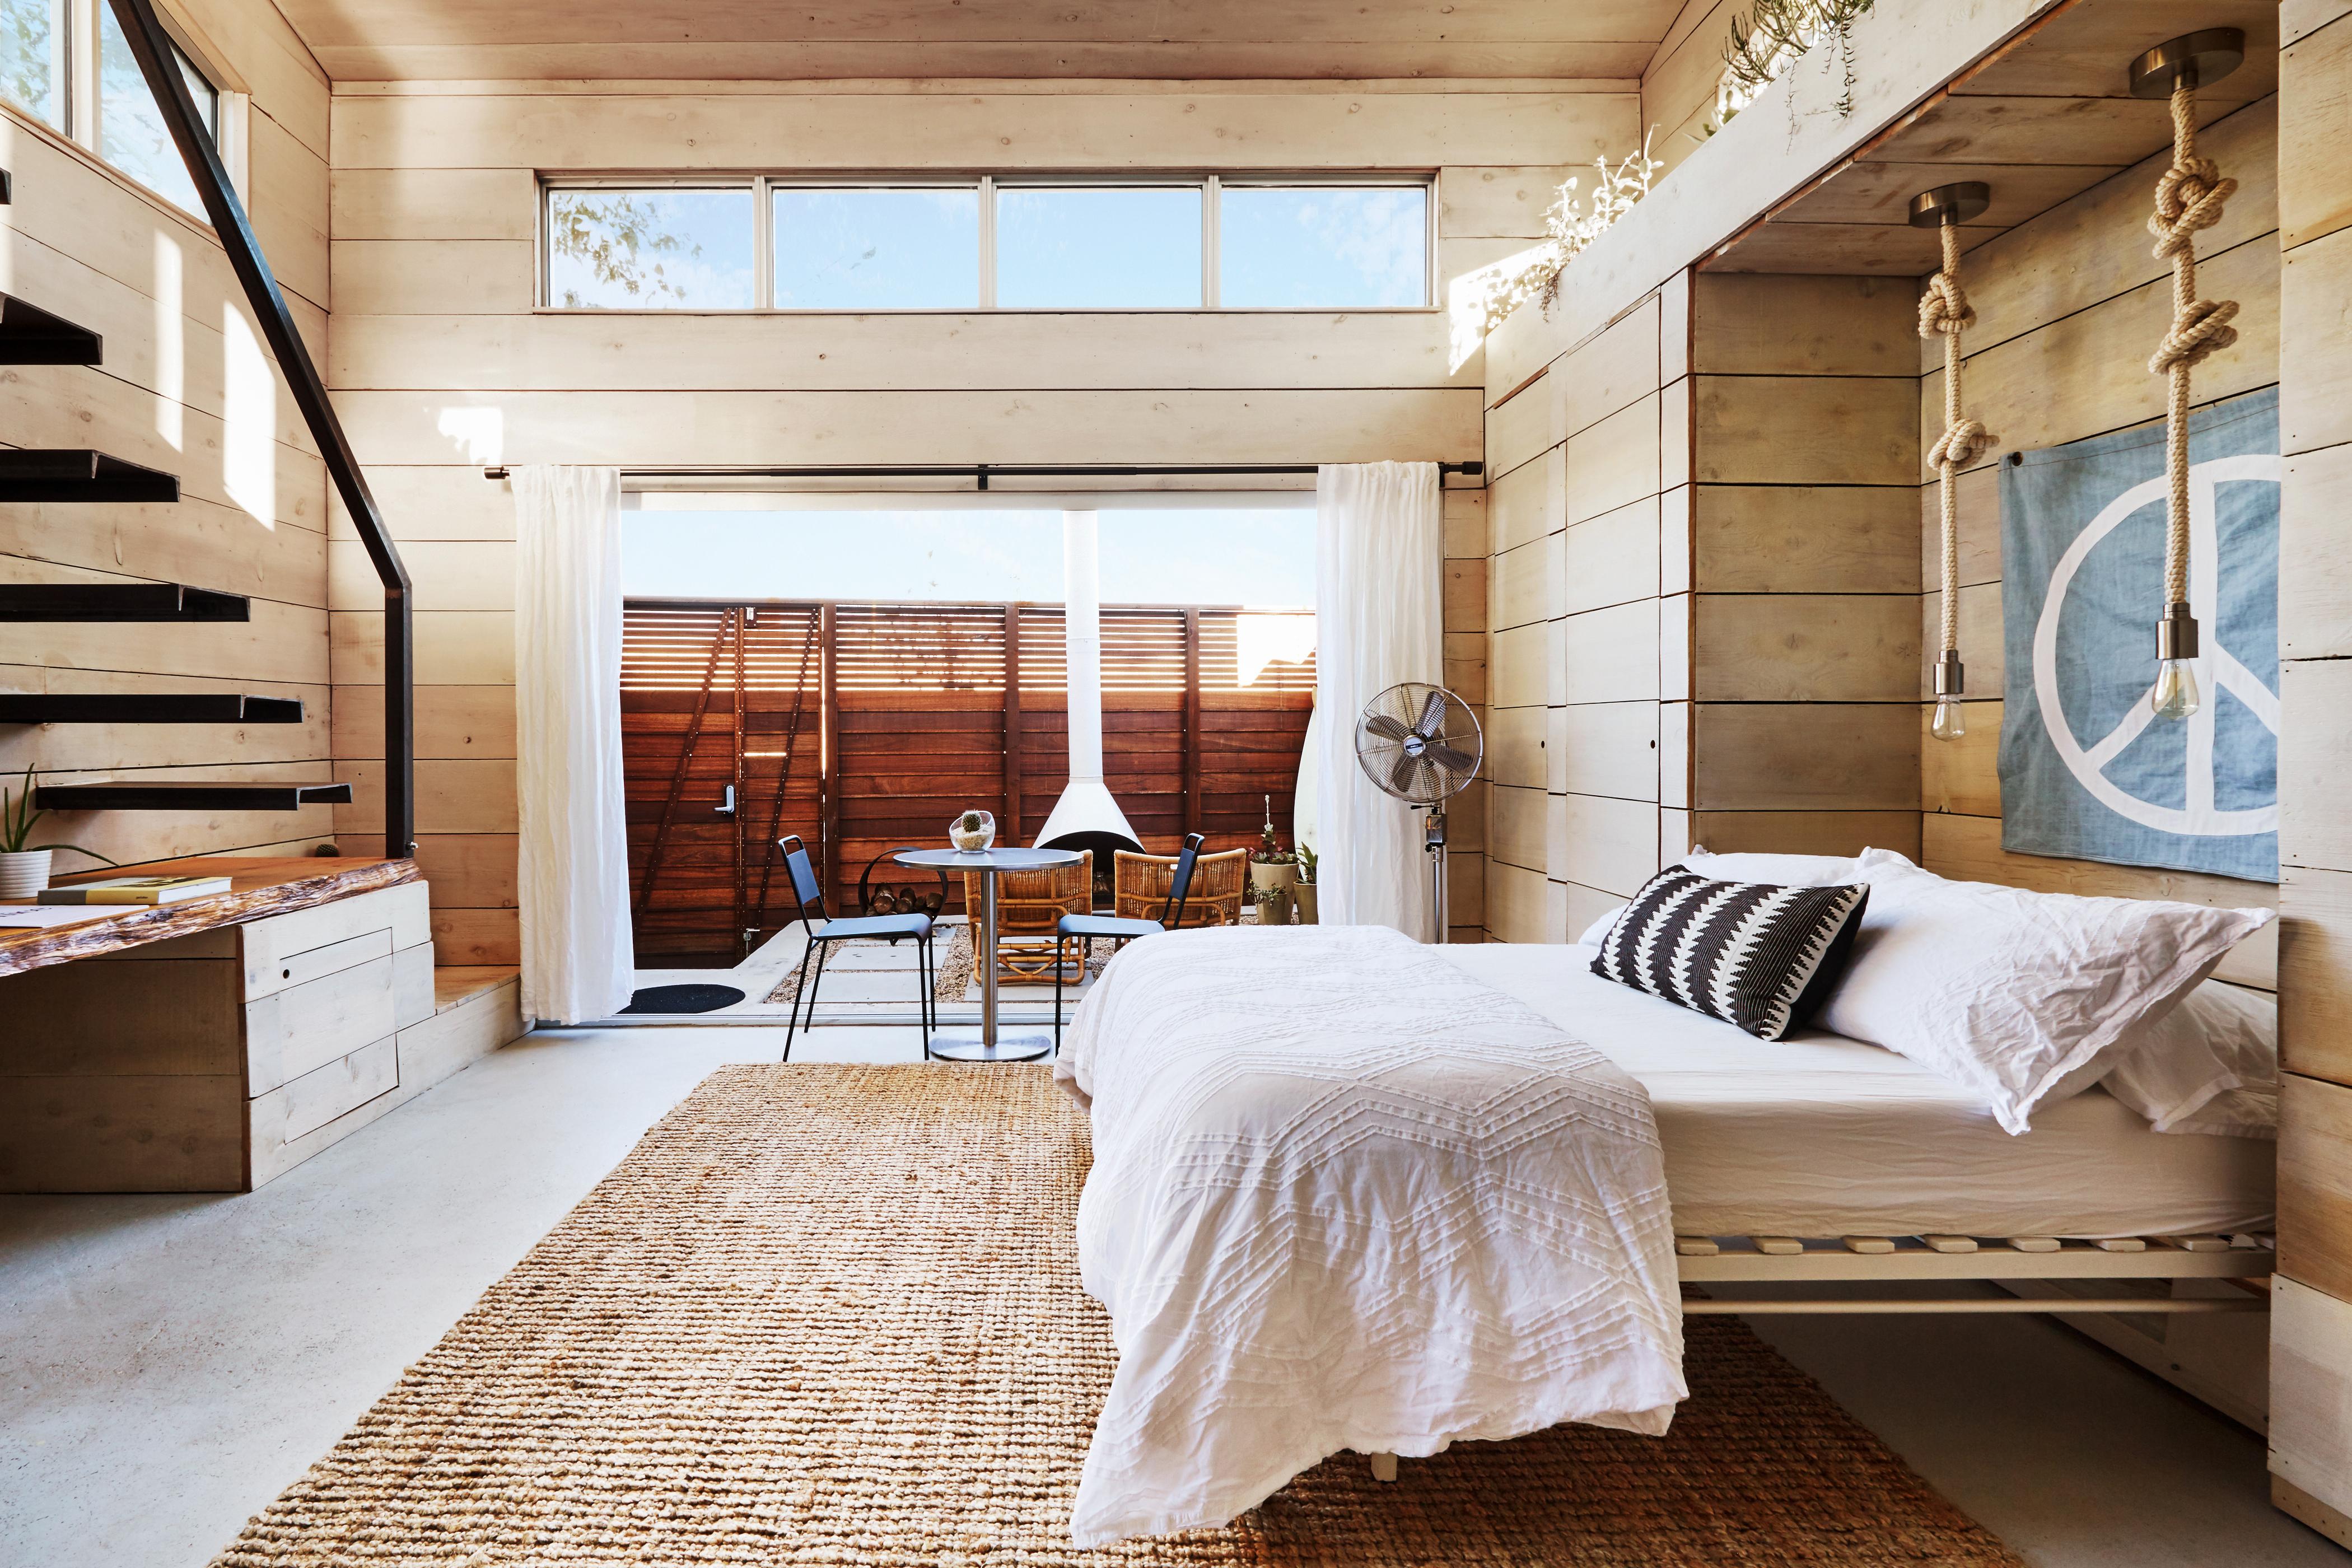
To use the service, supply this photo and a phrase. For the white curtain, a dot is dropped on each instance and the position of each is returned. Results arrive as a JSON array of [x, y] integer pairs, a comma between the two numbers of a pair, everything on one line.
[[1379, 555], [577, 963]]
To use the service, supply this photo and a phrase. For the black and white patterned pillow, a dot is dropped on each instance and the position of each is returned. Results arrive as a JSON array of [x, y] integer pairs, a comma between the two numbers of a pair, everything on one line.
[[1753, 954]]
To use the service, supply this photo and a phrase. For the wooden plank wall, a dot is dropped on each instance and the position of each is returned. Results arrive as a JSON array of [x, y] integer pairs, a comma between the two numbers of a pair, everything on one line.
[[1804, 626], [2311, 1397], [2068, 307], [1678, 85], [174, 392], [693, 911], [441, 363], [1467, 608], [1587, 464]]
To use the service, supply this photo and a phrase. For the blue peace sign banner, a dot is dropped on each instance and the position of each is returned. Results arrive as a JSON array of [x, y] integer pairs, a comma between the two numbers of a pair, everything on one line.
[[2086, 770]]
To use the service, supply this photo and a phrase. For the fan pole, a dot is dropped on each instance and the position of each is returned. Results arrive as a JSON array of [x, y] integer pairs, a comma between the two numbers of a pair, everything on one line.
[[1432, 840]]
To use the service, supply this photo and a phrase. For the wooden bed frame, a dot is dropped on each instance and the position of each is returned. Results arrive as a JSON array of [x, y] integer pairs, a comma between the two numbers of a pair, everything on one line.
[[2040, 1273], [2020, 1260]]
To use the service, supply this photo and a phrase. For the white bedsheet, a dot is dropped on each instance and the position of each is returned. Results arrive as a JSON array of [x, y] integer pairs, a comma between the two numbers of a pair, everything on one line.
[[1347, 1195], [1818, 1135]]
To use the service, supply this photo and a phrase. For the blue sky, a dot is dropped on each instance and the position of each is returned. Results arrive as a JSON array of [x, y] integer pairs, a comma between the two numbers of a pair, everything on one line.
[[1264, 559], [1057, 247]]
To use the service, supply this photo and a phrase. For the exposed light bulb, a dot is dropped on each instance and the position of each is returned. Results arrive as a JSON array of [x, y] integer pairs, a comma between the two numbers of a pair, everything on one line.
[[1949, 723], [2174, 695]]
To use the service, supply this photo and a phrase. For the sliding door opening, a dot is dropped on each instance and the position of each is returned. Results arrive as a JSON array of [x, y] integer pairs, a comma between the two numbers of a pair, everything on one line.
[[856, 671]]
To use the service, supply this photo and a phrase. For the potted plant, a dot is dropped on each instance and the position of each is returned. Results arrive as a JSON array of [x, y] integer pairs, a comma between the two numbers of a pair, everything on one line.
[[1270, 865], [1273, 905], [1303, 894], [25, 867], [972, 830]]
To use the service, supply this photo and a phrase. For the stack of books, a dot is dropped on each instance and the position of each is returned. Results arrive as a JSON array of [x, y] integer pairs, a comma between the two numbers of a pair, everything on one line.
[[146, 890]]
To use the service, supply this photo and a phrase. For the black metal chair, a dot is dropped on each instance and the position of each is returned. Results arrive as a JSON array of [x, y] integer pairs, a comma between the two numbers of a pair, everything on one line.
[[809, 893], [1085, 929], [867, 892]]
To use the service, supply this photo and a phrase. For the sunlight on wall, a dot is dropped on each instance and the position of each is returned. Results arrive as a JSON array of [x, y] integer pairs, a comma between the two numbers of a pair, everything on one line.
[[480, 433], [1271, 639], [249, 415], [1467, 298], [171, 346]]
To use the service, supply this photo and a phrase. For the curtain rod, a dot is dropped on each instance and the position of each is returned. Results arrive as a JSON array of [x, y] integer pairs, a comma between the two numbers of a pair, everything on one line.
[[983, 473]]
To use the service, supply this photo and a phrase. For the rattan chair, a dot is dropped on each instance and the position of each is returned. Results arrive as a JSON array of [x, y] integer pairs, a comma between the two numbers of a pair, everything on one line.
[[1029, 907], [1142, 887]]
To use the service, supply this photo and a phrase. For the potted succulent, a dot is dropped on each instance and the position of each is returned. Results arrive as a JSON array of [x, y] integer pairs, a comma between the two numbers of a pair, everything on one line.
[[972, 830], [1270, 865], [25, 867], [1273, 905], [1304, 893]]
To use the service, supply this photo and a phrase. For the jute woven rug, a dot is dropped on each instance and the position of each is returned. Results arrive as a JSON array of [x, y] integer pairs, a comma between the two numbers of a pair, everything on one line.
[[831, 1315]]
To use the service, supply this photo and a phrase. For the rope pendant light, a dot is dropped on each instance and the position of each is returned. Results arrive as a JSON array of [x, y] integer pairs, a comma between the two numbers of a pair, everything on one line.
[[1945, 313], [2188, 197]]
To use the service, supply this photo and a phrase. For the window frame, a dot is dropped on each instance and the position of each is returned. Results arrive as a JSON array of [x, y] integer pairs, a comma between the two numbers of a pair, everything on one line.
[[83, 106], [1212, 186]]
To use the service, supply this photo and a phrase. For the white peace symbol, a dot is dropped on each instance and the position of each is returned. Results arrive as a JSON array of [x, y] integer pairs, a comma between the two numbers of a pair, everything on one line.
[[2216, 667]]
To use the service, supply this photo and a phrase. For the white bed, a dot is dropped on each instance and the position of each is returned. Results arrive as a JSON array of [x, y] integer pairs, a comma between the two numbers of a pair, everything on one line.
[[1352, 1191], [1819, 1136]]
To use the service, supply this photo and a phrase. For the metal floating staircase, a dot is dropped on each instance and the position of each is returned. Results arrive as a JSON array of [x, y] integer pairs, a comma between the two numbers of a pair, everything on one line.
[[31, 335], [146, 707], [135, 796], [119, 601]]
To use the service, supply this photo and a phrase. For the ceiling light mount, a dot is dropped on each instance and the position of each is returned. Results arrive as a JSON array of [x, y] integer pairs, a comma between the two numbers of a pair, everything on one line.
[[2193, 59], [1951, 203]]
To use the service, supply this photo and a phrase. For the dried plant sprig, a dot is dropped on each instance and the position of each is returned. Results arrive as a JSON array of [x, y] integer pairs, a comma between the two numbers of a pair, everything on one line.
[[1773, 36], [1570, 225]]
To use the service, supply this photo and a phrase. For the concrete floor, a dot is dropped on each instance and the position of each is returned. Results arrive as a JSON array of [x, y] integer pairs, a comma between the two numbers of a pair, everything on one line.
[[863, 983], [169, 1364]]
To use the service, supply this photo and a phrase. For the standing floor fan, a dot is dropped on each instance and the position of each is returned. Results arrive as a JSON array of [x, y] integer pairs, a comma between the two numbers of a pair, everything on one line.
[[1423, 745]]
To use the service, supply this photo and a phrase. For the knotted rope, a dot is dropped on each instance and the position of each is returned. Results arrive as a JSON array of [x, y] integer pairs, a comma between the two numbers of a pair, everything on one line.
[[1945, 312], [2189, 196]]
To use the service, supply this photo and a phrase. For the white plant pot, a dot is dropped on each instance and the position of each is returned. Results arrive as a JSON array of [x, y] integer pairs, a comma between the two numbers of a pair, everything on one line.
[[1266, 876], [23, 874]]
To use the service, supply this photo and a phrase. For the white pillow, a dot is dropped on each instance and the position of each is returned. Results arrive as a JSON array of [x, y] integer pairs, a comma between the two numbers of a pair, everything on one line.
[[2209, 1065], [1598, 931], [2011, 994], [1780, 871]]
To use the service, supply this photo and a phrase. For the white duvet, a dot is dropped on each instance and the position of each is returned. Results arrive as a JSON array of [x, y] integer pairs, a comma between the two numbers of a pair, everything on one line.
[[1347, 1196]]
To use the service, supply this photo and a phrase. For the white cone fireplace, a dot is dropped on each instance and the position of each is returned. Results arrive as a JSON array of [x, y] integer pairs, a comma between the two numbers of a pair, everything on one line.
[[1086, 817]]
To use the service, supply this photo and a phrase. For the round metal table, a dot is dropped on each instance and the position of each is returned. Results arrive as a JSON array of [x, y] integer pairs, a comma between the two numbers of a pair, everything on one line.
[[986, 1044]]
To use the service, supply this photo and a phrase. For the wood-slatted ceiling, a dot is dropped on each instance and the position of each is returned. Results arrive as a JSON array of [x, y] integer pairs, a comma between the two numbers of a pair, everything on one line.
[[1168, 40], [2044, 119]]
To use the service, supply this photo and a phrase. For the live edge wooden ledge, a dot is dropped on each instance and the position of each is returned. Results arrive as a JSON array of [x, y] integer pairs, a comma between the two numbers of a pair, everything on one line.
[[211, 1045], [258, 887]]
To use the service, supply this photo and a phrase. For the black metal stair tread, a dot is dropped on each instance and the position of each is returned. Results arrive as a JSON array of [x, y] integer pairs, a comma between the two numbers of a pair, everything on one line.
[[147, 708], [78, 474], [119, 601], [30, 335], [139, 796]]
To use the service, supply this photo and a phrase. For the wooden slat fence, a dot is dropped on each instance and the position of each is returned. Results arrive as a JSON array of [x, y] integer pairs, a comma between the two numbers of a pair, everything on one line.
[[896, 716]]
